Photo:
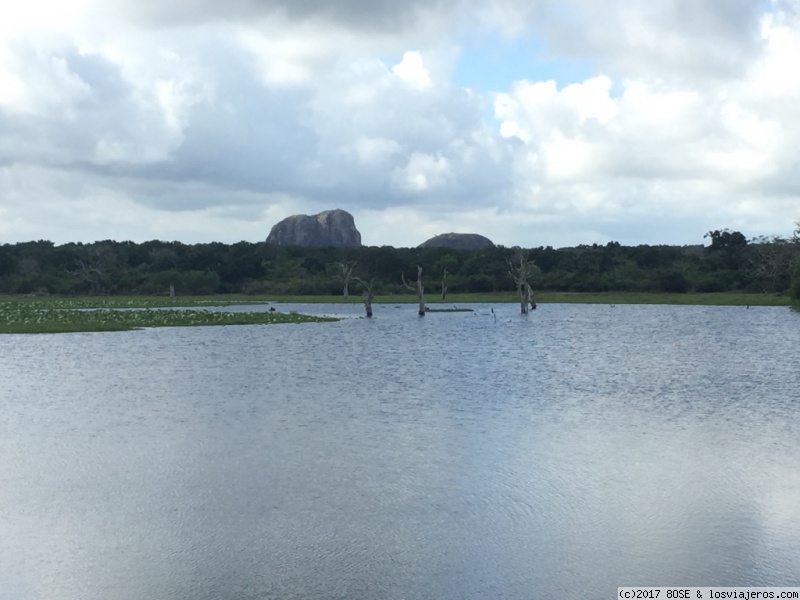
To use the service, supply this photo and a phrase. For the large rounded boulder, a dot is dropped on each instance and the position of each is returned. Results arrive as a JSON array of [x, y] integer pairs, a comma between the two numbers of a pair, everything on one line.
[[330, 228]]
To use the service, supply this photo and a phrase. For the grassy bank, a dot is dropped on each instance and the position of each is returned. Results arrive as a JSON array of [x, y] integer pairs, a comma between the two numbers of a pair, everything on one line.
[[60, 315], [80, 302], [716, 299]]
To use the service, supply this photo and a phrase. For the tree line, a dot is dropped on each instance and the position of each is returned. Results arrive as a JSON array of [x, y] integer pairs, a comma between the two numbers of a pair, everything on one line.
[[728, 263]]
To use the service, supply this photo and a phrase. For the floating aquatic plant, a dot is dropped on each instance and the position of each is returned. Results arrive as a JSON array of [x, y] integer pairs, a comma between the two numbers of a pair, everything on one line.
[[30, 315]]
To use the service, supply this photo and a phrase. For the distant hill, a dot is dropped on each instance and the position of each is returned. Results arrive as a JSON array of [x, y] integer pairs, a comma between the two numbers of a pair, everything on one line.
[[458, 241]]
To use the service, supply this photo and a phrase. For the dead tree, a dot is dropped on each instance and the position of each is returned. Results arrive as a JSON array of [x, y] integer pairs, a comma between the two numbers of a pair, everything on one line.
[[418, 288], [444, 285], [97, 268], [346, 273], [529, 296], [368, 294], [521, 269], [771, 261]]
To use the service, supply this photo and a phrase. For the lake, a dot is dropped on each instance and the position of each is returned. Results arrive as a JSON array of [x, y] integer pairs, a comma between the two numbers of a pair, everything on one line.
[[460, 456]]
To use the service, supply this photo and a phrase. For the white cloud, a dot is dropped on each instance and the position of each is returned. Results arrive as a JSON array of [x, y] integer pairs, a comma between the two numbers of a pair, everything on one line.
[[374, 151], [709, 151], [423, 172], [40, 15], [38, 82], [290, 55], [752, 158], [412, 70]]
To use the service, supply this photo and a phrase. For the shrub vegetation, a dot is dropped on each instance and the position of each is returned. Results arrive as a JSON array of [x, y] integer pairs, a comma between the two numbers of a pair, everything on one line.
[[729, 263]]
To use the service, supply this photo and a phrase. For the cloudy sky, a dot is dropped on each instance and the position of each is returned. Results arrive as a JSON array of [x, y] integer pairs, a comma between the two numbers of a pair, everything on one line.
[[544, 122]]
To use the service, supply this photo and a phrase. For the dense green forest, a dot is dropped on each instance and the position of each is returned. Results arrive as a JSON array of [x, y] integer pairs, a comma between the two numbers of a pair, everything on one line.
[[728, 262]]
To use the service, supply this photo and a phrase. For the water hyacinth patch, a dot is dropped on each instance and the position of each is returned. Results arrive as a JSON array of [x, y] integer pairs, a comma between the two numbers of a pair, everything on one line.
[[31, 315]]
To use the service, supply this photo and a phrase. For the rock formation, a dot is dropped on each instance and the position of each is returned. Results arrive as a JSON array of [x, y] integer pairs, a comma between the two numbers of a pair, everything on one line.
[[458, 241], [329, 228]]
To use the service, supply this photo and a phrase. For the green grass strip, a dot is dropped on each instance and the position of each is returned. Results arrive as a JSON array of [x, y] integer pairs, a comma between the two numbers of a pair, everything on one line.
[[20, 317], [703, 299]]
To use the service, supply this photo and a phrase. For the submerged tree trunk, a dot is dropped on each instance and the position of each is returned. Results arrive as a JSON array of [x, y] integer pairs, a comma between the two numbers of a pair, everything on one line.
[[368, 300], [520, 270], [368, 295], [419, 289], [531, 301]]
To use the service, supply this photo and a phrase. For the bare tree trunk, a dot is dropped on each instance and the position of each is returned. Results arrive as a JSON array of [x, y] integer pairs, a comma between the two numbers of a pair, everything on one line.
[[523, 303], [368, 295], [347, 276], [529, 292], [171, 291], [444, 285], [520, 270], [419, 289]]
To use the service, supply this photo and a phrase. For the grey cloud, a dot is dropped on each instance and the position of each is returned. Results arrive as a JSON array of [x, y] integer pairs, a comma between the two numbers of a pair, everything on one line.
[[788, 9], [695, 38], [102, 76], [378, 15], [249, 137], [245, 137], [659, 38], [73, 128]]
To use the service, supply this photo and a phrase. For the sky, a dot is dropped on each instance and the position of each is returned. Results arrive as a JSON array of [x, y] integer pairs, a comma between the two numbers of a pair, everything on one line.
[[536, 123]]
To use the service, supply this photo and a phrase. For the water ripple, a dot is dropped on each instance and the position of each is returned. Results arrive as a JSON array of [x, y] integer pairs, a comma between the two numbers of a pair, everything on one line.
[[459, 456]]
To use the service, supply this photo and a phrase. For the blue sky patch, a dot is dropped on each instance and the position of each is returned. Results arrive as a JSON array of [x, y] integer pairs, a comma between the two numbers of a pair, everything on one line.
[[492, 62]]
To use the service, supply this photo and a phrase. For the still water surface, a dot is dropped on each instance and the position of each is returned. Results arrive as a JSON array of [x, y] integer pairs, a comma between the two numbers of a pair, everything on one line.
[[456, 457]]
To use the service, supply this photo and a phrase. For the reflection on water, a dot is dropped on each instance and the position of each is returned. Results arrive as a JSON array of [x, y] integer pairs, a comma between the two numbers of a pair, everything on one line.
[[459, 456]]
